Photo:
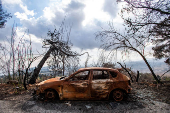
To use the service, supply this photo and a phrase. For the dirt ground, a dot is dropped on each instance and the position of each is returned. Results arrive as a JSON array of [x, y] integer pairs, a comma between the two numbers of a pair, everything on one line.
[[145, 97]]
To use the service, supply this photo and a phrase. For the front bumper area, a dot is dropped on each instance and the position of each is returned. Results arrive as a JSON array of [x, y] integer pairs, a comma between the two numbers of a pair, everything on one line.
[[129, 89], [40, 96]]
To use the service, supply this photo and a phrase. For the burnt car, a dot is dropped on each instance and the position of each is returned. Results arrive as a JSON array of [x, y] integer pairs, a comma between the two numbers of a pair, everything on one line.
[[86, 84]]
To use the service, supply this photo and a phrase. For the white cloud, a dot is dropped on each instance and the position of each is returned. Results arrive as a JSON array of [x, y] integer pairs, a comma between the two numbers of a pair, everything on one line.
[[21, 16], [24, 16], [93, 10], [59, 2], [21, 32], [48, 13], [26, 11], [11, 1], [35, 39], [111, 7]]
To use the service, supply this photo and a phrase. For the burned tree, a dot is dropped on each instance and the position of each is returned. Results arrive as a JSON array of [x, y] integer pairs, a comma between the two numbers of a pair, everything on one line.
[[144, 21], [59, 48], [127, 41], [31, 79], [58, 61], [15, 55]]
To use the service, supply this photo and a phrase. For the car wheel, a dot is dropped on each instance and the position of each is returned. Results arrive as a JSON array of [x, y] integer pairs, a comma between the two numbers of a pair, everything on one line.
[[118, 95], [50, 94]]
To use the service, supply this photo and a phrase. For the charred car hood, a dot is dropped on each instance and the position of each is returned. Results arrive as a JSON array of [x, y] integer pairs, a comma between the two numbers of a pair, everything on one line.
[[50, 81]]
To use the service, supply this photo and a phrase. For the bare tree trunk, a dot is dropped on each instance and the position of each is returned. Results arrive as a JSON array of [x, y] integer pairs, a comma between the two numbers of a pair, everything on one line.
[[9, 75], [13, 54], [148, 65], [19, 76], [55, 71], [137, 78], [63, 64], [37, 70]]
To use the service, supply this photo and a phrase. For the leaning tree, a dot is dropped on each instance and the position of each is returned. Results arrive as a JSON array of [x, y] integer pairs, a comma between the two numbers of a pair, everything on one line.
[[144, 21], [59, 48], [59, 62], [126, 41]]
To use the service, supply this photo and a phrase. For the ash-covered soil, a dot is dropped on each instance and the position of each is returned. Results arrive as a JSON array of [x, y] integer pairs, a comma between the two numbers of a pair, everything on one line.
[[145, 97]]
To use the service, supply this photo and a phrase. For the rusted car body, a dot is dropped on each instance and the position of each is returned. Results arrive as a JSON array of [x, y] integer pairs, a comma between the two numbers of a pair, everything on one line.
[[86, 84]]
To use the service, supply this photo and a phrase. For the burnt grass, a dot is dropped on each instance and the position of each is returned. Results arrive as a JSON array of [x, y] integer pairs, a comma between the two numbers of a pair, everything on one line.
[[8, 91]]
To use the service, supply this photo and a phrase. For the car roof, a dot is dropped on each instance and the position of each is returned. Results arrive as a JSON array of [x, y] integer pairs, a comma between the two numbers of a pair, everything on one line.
[[96, 68]]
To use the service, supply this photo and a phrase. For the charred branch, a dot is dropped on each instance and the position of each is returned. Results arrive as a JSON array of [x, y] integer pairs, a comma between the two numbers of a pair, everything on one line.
[[126, 71]]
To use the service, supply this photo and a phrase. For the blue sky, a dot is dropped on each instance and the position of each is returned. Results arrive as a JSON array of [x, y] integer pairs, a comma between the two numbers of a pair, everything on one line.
[[85, 16]]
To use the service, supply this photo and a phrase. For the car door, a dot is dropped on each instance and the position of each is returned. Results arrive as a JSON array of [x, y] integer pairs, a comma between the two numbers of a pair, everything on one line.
[[77, 86], [100, 84]]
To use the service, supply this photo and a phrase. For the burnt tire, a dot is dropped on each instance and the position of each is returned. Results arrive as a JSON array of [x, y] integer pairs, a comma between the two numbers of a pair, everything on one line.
[[118, 95], [50, 94]]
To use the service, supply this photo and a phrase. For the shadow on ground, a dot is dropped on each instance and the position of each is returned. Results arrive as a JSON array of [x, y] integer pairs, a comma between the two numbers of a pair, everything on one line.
[[82, 106]]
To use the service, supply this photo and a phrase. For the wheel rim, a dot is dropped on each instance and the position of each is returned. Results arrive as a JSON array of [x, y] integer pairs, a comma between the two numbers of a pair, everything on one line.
[[50, 94], [118, 95]]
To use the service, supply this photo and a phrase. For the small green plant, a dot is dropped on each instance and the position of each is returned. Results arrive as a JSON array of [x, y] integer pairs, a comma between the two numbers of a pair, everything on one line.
[[166, 78]]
